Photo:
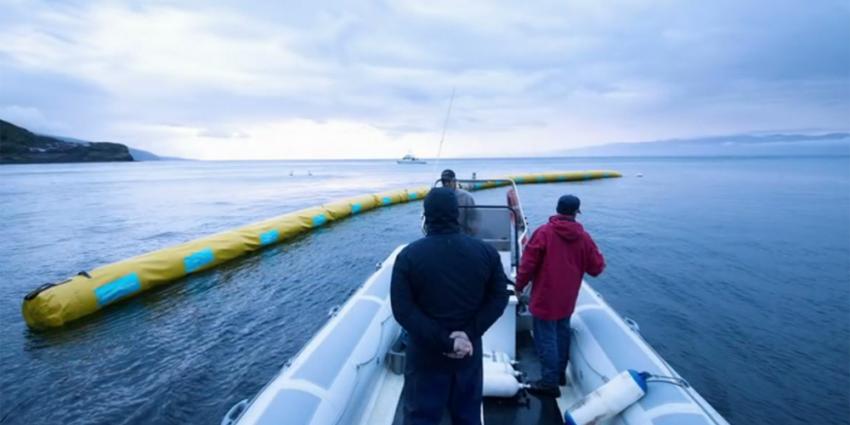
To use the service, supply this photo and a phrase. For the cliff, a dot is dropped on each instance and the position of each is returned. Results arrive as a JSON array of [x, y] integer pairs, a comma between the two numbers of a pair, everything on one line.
[[20, 146]]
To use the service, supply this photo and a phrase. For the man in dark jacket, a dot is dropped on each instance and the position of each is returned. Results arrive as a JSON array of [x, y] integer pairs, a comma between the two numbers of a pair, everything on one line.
[[447, 289], [556, 258]]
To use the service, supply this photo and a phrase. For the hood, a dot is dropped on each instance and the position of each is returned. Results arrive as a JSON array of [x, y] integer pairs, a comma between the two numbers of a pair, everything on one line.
[[441, 211], [566, 227]]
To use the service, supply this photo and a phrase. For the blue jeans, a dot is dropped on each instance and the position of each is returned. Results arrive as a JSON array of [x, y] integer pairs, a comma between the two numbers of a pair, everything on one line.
[[552, 341]]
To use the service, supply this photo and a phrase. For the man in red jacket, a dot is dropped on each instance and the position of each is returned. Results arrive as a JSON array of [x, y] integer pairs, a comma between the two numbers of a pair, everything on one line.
[[556, 258]]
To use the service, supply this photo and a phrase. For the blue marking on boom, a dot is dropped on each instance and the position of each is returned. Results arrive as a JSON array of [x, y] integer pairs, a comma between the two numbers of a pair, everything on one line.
[[387, 200], [319, 220], [119, 288], [269, 237], [197, 260], [356, 208]]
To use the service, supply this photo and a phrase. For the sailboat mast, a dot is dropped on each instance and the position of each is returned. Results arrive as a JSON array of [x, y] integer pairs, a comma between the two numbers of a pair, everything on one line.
[[445, 124]]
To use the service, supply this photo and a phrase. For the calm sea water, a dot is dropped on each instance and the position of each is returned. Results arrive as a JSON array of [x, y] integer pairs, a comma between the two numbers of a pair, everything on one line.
[[738, 271]]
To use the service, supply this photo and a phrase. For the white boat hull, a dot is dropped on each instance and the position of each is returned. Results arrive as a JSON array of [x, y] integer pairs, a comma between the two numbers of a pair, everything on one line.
[[340, 376]]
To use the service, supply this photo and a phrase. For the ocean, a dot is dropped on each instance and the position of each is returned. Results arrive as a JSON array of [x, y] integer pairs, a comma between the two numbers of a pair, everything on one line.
[[736, 269]]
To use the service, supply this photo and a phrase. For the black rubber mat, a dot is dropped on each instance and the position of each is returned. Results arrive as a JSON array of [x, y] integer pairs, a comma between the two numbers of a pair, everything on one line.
[[524, 409]]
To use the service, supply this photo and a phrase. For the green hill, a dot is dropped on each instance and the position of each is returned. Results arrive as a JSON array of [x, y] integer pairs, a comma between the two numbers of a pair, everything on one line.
[[21, 146]]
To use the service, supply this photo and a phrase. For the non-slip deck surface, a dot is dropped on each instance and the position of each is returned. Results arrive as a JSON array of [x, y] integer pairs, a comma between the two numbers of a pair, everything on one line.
[[524, 409]]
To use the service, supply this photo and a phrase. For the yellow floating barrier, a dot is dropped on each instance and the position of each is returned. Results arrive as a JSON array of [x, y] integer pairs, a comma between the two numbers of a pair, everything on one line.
[[563, 177], [53, 305]]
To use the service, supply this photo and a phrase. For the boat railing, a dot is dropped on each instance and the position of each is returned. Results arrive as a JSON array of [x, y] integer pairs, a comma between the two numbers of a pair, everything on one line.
[[487, 221]]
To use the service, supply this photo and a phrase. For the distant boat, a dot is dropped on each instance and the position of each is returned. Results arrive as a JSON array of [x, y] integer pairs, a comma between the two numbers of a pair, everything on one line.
[[410, 159]]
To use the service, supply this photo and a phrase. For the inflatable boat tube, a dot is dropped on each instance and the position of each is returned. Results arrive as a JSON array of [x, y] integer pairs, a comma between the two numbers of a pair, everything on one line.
[[603, 345], [53, 305], [324, 382]]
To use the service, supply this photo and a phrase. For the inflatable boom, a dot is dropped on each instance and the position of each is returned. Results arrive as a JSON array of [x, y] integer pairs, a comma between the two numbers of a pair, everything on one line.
[[53, 305]]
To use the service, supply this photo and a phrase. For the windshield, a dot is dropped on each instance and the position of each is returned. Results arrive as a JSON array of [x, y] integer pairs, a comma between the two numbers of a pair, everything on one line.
[[491, 211]]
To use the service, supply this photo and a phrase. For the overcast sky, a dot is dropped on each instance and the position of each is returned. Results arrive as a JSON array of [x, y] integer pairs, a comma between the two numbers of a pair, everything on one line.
[[366, 79]]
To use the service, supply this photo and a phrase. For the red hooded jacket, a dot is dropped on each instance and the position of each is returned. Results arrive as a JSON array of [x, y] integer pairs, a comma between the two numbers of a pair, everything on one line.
[[556, 258]]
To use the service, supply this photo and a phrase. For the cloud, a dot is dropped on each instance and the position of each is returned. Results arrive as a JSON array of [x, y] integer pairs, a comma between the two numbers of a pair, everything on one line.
[[152, 51], [222, 134], [25, 116], [375, 77]]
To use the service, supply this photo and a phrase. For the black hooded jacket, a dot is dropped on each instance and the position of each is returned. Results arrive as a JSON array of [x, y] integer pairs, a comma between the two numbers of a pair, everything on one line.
[[446, 282]]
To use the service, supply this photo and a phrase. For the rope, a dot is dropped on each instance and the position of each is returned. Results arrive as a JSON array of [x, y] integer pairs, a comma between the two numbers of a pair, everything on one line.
[[673, 380]]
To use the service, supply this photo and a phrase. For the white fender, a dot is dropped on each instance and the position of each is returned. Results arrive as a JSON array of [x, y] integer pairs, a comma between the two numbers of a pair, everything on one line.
[[608, 400], [500, 385]]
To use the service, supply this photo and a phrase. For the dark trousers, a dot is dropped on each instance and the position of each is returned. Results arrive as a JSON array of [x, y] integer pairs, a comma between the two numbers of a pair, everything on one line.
[[429, 393], [552, 341]]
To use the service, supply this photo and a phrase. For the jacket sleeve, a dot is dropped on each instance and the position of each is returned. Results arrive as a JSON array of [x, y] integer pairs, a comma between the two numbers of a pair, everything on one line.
[[532, 256], [467, 217], [408, 313], [495, 297], [593, 259]]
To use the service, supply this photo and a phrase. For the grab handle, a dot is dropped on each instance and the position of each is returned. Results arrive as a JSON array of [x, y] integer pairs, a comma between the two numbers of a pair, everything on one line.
[[234, 412]]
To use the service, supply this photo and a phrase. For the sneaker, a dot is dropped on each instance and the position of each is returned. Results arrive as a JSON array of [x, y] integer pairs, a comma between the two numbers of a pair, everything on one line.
[[562, 381], [541, 389]]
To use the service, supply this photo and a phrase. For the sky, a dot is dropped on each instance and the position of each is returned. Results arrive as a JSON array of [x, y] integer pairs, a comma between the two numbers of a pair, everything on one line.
[[373, 79]]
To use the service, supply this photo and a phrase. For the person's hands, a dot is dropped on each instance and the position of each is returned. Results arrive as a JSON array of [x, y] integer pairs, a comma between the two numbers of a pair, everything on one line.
[[462, 345], [522, 296]]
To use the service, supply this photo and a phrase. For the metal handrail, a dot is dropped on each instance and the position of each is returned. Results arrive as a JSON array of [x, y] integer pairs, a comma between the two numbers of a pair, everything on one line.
[[519, 236], [513, 185]]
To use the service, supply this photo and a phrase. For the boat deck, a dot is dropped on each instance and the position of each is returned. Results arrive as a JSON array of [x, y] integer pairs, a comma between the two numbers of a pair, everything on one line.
[[527, 408], [519, 410]]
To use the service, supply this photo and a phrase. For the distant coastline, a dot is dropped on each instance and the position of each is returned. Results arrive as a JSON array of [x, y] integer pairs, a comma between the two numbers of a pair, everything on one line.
[[21, 146], [735, 145]]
